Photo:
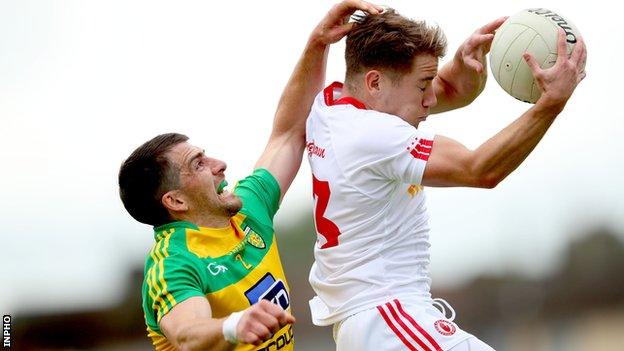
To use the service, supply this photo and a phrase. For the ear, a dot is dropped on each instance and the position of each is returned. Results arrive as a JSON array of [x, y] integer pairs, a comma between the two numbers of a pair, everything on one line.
[[174, 201], [372, 81]]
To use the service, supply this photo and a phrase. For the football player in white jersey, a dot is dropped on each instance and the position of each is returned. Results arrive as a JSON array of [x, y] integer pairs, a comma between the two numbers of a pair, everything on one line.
[[370, 163]]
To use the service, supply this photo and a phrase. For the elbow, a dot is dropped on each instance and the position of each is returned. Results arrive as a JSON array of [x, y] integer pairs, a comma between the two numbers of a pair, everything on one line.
[[488, 181], [183, 343]]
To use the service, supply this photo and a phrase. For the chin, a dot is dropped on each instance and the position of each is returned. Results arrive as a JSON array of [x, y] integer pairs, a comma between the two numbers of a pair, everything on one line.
[[233, 206]]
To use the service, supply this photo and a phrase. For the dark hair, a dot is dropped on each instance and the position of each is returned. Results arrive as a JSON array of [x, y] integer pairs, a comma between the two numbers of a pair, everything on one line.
[[146, 176], [390, 41]]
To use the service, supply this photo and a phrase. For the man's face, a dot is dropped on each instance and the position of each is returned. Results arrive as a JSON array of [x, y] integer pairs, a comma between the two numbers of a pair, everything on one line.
[[410, 95], [200, 177]]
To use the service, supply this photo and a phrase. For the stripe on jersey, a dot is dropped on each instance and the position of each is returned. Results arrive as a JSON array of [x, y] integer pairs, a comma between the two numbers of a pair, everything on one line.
[[156, 279], [422, 149], [417, 326], [410, 331], [395, 330]]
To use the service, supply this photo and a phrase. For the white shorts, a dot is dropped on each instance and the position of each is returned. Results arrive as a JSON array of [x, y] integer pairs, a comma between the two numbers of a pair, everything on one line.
[[401, 325]]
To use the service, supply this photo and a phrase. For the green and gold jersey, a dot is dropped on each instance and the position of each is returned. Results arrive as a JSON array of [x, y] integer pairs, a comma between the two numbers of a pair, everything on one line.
[[233, 267]]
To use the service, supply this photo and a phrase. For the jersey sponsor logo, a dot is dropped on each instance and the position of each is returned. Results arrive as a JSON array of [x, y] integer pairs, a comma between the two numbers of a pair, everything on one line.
[[269, 289], [254, 239], [280, 342], [420, 148], [314, 150], [445, 327], [216, 269]]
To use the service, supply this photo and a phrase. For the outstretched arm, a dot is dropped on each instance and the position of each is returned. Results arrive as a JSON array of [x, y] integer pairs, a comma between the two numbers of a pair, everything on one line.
[[461, 80], [282, 155], [452, 164]]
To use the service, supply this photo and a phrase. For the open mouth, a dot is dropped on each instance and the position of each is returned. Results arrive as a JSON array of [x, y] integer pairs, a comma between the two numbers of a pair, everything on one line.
[[222, 186]]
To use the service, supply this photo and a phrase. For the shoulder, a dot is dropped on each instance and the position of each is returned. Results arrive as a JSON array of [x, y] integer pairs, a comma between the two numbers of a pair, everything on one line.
[[260, 193], [372, 130], [171, 246]]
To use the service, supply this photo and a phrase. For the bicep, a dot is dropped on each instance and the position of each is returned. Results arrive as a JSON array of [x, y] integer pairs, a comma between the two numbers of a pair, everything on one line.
[[282, 158], [450, 164]]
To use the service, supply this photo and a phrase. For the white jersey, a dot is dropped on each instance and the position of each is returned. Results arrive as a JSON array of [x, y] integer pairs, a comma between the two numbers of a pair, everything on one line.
[[370, 215]]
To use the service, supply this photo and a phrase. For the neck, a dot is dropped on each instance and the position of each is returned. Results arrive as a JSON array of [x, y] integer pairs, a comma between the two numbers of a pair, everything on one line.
[[354, 93], [208, 221]]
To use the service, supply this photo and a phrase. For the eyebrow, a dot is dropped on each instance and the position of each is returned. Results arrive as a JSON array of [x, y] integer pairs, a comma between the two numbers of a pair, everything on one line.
[[427, 78], [196, 156]]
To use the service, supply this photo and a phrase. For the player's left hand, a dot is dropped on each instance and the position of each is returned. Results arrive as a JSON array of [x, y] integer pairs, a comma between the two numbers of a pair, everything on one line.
[[335, 25], [471, 53]]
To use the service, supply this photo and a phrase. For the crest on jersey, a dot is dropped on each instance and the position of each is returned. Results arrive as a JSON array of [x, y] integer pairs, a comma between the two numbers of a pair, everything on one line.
[[445, 327], [414, 189], [254, 239]]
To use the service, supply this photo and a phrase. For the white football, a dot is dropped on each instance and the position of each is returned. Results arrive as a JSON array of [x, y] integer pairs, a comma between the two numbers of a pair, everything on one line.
[[533, 31]]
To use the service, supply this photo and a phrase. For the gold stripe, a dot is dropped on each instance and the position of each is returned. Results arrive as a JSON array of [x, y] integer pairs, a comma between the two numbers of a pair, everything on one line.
[[152, 273], [160, 274], [161, 278], [150, 284], [172, 301], [158, 260]]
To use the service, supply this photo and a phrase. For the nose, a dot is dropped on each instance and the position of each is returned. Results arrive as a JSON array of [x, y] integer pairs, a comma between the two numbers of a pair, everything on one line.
[[218, 166], [429, 100]]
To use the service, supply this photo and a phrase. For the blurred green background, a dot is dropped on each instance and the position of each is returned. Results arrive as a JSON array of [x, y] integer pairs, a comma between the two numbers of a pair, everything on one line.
[[579, 307]]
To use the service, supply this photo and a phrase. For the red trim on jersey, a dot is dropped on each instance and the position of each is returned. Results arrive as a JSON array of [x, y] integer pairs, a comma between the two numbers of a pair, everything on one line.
[[420, 329], [328, 93], [422, 149], [410, 332], [395, 329], [426, 142], [419, 155]]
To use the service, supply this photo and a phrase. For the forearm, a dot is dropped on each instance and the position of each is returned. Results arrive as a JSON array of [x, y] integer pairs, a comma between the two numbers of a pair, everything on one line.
[[282, 155], [495, 159], [305, 82], [457, 86], [202, 334]]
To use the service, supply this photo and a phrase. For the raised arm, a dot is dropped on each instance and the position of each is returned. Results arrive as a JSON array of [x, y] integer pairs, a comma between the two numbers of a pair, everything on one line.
[[461, 80], [282, 155], [452, 164]]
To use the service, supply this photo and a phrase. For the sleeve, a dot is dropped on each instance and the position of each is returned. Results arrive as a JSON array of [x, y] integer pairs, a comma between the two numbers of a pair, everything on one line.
[[260, 194], [170, 281], [390, 148]]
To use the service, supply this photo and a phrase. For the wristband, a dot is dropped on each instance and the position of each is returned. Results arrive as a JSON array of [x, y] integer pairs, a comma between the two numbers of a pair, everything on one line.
[[229, 327]]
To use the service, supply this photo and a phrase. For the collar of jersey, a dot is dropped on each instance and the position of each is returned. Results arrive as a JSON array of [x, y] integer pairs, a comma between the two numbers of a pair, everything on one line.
[[347, 100], [166, 229], [162, 231]]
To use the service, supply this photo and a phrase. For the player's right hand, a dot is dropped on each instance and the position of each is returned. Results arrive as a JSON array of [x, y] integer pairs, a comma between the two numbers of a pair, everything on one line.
[[559, 81], [335, 25], [261, 321]]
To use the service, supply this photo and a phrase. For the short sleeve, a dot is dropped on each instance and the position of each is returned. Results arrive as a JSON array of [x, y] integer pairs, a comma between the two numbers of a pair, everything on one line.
[[389, 148], [170, 281], [260, 194]]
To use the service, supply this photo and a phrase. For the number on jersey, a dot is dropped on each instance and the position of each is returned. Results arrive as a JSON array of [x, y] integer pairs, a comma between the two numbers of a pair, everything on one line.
[[324, 226]]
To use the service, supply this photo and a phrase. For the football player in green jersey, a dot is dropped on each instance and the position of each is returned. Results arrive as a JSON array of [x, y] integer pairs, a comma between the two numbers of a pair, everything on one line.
[[214, 280]]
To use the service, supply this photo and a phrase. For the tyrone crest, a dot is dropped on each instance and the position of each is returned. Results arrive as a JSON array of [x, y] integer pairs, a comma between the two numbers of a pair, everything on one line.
[[445, 328]]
